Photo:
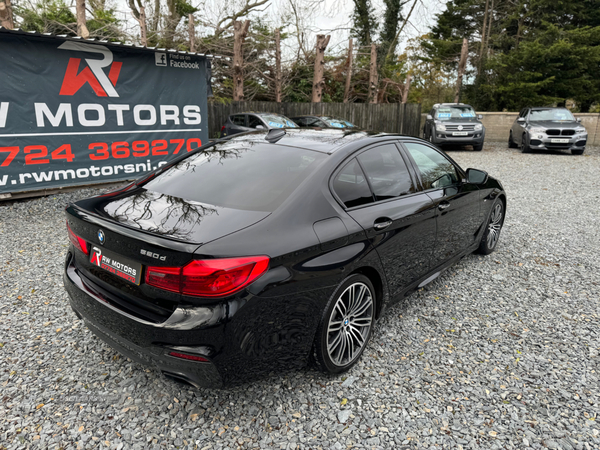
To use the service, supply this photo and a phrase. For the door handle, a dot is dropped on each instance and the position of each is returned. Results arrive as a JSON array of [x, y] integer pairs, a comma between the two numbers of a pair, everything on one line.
[[442, 206], [382, 224]]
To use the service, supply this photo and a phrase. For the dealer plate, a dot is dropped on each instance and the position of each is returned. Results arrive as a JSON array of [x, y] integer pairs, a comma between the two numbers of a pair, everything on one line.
[[116, 264], [559, 141], [460, 133]]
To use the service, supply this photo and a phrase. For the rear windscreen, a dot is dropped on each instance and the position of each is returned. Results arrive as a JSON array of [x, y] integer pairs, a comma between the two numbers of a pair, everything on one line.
[[246, 175]]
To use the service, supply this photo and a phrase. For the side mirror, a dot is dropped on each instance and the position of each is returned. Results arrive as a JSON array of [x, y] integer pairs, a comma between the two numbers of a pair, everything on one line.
[[521, 120], [429, 117], [479, 116], [259, 127], [475, 176], [579, 119]]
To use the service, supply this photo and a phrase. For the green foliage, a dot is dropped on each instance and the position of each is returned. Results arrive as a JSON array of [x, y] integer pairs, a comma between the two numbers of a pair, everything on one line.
[[50, 16], [365, 24], [536, 52]]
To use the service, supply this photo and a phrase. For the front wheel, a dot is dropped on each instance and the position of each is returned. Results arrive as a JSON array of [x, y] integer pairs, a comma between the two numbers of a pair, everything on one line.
[[346, 326], [478, 147], [524, 145], [511, 142], [491, 235], [578, 152]]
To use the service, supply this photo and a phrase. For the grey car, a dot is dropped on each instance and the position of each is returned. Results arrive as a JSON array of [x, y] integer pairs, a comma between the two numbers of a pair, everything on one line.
[[548, 129], [454, 124], [249, 121]]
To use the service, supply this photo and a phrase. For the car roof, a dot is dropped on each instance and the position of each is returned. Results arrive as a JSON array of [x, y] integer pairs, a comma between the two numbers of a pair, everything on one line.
[[538, 108], [324, 140], [258, 113]]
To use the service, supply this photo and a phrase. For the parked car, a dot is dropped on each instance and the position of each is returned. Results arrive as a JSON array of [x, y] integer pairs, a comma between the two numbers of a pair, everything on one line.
[[249, 121], [322, 122], [454, 124], [548, 129], [264, 251]]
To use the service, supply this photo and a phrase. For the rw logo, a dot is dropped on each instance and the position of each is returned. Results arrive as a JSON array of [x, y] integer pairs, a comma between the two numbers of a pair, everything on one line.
[[93, 74]]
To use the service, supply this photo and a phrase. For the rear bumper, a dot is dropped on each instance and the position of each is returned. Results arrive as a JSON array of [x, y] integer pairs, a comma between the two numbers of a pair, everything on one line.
[[242, 339]]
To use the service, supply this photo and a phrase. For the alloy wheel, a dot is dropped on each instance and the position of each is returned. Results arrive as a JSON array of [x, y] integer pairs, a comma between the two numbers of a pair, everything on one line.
[[350, 324], [494, 226]]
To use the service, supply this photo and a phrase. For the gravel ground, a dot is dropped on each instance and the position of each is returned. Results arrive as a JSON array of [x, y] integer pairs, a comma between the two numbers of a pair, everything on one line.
[[499, 352]]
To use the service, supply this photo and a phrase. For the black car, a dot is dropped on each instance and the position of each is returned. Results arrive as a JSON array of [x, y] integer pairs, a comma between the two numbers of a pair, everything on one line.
[[454, 124], [250, 121], [270, 249], [548, 129], [322, 122]]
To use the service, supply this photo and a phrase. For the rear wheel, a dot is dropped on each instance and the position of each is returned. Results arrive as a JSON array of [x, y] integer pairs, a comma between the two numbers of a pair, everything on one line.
[[346, 326], [524, 145], [511, 142], [578, 152], [491, 235]]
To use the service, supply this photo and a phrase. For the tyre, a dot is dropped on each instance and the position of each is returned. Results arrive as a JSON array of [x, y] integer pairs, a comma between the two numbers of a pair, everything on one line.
[[346, 326], [578, 152], [524, 145], [511, 143], [431, 138], [478, 147], [491, 235]]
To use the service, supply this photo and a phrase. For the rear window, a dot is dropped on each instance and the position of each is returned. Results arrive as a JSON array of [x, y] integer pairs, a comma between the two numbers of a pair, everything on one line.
[[239, 174]]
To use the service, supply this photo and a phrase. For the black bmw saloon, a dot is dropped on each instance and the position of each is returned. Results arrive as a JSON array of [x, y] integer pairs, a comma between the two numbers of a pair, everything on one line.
[[269, 250]]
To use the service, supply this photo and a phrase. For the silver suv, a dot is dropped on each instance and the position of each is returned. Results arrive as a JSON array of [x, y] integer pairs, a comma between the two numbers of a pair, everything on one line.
[[454, 124], [548, 129]]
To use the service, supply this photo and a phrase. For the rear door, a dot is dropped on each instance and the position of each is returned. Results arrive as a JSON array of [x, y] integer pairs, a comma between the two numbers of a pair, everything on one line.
[[381, 195], [456, 202]]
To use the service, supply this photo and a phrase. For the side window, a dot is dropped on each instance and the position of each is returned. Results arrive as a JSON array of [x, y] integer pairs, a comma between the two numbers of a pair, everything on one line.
[[351, 186], [239, 120], [386, 172], [436, 171], [301, 121], [253, 121]]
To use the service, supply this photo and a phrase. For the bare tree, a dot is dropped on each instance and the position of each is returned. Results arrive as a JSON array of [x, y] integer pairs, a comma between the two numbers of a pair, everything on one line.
[[229, 20], [348, 73], [6, 15], [406, 88], [81, 26], [240, 30], [373, 75], [461, 68], [192, 33], [278, 93], [318, 81]]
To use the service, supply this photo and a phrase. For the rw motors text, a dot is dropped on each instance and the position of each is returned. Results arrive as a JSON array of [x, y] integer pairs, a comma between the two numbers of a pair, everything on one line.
[[95, 114]]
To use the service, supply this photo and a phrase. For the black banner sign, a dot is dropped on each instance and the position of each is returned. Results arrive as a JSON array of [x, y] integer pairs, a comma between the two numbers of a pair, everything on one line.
[[75, 112]]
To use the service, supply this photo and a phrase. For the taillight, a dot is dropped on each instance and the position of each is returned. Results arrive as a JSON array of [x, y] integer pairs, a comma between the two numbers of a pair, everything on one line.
[[188, 357], [222, 128], [77, 242], [209, 278]]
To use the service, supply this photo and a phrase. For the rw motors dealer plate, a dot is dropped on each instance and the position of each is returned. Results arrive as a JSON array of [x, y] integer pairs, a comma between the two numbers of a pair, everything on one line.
[[117, 265]]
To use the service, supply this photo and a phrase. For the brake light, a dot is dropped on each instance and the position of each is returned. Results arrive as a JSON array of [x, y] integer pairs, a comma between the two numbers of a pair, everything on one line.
[[222, 128], [210, 277], [78, 243]]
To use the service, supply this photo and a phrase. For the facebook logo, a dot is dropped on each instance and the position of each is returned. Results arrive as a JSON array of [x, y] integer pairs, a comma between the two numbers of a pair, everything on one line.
[[160, 59]]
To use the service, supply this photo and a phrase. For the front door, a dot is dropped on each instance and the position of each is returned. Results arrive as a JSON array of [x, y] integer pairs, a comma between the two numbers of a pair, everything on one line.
[[457, 203]]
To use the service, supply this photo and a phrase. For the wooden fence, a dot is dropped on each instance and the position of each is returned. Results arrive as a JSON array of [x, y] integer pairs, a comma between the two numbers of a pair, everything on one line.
[[402, 118]]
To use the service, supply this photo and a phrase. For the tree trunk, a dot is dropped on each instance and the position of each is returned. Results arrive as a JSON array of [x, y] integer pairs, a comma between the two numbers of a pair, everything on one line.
[[81, 26], [373, 76], [461, 68], [348, 73], [143, 30], [484, 25], [239, 34], [277, 66], [489, 28], [406, 88], [6, 15], [192, 33], [318, 81]]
